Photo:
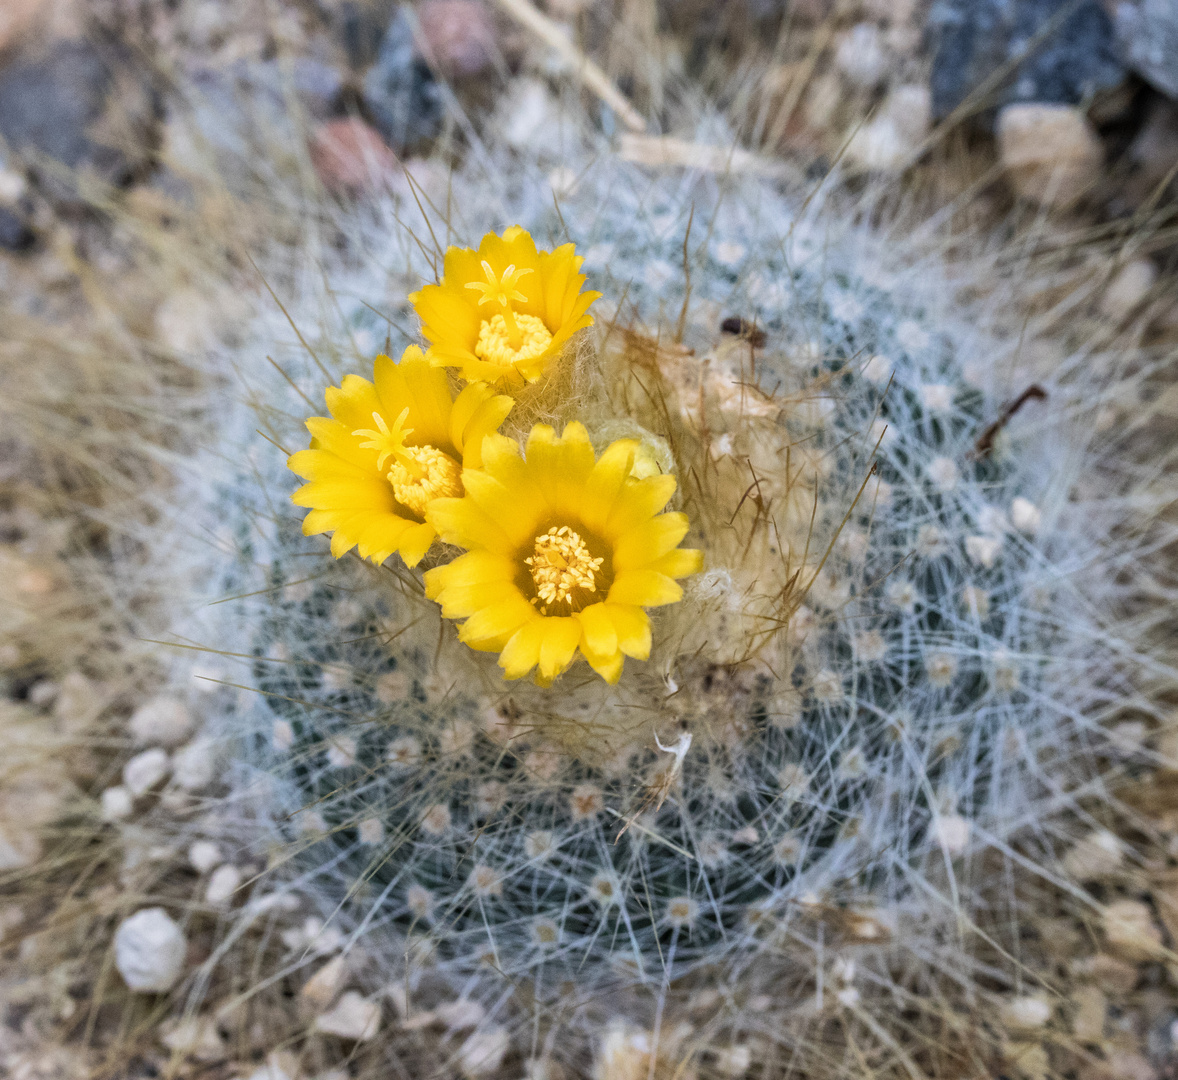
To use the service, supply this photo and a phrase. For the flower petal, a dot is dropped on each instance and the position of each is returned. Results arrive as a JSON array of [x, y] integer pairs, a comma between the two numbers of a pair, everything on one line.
[[605, 482], [646, 588], [650, 541], [522, 651], [639, 501], [493, 625], [633, 628], [608, 665], [461, 522], [679, 563], [599, 635], [558, 645]]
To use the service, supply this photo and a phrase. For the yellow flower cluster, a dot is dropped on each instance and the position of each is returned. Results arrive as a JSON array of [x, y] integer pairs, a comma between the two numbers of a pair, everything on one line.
[[564, 550]]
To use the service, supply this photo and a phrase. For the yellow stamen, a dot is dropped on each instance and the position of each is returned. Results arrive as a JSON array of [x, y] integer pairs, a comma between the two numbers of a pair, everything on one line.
[[502, 291], [561, 565], [424, 473], [495, 344], [385, 441]]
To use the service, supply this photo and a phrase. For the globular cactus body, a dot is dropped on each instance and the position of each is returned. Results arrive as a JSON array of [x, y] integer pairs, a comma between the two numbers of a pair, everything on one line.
[[856, 689]]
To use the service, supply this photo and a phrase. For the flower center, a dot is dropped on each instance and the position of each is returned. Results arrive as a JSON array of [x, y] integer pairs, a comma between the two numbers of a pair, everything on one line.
[[495, 342], [424, 473], [561, 564]]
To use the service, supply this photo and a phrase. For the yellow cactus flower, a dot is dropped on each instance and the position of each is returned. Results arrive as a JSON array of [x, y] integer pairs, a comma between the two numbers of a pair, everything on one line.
[[389, 447], [565, 552], [505, 311]]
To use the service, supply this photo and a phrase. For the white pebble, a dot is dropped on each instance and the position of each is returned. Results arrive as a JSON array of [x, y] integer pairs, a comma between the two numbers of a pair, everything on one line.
[[204, 856], [117, 804], [354, 1017], [461, 1014], [891, 140], [194, 766], [1050, 152], [1025, 1013], [861, 57], [149, 951], [223, 884], [162, 721], [145, 770], [1025, 516], [483, 1052], [1128, 288], [320, 990]]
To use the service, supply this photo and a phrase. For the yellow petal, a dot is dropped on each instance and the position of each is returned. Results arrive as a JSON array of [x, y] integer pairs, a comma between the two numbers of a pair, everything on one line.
[[605, 482], [600, 636], [646, 588], [640, 500], [497, 622], [415, 543], [650, 541], [484, 422], [560, 466], [633, 628], [515, 511], [558, 645], [474, 568], [680, 563], [608, 665], [353, 402], [461, 522], [522, 651]]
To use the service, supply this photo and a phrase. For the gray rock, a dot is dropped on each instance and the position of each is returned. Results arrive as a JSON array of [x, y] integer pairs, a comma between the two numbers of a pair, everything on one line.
[[15, 233], [85, 106], [401, 96], [973, 39], [1147, 37]]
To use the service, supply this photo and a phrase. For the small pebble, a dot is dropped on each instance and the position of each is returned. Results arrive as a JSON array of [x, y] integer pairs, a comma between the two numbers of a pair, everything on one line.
[[890, 140], [483, 1052], [1131, 931], [1050, 152], [1095, 856], [194, 766], [861, 57], [1091, 1008], [162, 721], [458, 36], [145, 770], [204, 856], [354, 1017], [149, 951], [1025, 1013], [224, 882], [1129, 286], [322, 988], [350, 158], [117, 804], [196, 1037]]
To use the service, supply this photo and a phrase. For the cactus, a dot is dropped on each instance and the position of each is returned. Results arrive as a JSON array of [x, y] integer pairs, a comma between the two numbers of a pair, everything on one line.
[[889, 637]]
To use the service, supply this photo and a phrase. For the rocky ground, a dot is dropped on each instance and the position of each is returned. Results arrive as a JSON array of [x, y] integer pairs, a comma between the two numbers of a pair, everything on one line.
[[1065, 114]]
